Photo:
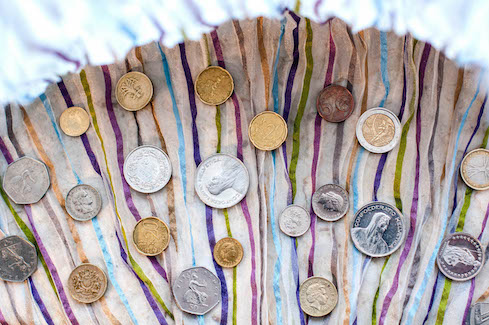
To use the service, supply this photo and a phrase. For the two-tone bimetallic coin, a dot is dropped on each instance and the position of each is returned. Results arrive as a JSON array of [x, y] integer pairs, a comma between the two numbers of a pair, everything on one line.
[[134, 91], [317, 296], [83, 202], [330, 202], [294, 221], [151, 236], [18, 259], [335, 103], [87, 283], [378, 229], [221, 181], [475, 169], [479, 314], [147, 169], [378, 130], [197, 290], [460, 257], [214, 85], [267, 130], [228, 252], [74, 121]]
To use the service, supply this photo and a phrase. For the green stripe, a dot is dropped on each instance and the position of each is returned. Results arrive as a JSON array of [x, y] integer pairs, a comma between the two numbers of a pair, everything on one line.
[[484, 141], [443, 301], [218, 126], [374, 309]]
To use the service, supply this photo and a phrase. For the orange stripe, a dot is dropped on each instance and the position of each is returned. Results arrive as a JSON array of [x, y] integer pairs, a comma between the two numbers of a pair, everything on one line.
[[263, 58]]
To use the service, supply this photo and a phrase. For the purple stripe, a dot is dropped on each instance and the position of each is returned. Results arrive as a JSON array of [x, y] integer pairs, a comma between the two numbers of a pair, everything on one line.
[[5, 152], [2, 319], [432, 299], [40, 303], [331, 57], [13, 139]]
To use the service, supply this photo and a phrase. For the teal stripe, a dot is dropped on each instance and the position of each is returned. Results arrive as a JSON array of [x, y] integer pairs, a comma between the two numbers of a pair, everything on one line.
[[275, 66], [383, 66]]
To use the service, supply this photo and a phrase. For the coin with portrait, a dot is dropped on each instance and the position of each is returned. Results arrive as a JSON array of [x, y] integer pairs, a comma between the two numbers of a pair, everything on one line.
[[228, 252], [475, 169], [294, 221], [479, 314], [87, 283], [335, 103], [151, 236], [267, 130], [18, 259], [74, 121], [83, 202], [134, 91], [317, 296], [330, 202], [378, 130], [214, 85]]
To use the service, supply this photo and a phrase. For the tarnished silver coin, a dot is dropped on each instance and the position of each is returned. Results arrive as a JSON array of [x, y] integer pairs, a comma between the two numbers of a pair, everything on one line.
[[18, 259], [147, 169], [221, 181], [26, 180], [83, 202], [318, 296], [460, 256], [378, 229], [330, 202], [294, 221], [479, 314], [197, 290], [475, 169], [378, 130]]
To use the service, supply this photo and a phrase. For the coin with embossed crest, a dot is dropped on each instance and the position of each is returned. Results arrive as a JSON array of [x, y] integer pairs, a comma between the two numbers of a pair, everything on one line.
[[83, 202], [479, 314], [330, 202], [378, 130], [197, 290], [74, 121], [221, 181], [87, 283], [26, 180], [318, 296], [151, 236], [335, 103], [228, 252], [475, 169], [267, 130], [214, 85], [134, 91], [294, 221], [18, 259], [147, 169]]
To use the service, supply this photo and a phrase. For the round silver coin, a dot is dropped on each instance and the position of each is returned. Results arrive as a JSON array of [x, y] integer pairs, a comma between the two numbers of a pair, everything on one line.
[[197, 290], [479, 314], [147, 169], [83, 202], [294, 221], [26, 180], [221, 181], [330, 202], [460, 256], [378, 130], [18, 259], [318, 296], [475, 169], [378, 229]]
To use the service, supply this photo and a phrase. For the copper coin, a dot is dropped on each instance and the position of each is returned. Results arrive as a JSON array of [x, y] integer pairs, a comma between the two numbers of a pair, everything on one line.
[[335, 103], [228, 252]]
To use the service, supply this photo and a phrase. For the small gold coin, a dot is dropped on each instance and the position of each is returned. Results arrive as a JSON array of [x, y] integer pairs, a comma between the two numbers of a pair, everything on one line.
[[267, 131], [74, 121], [475, 169], [87, 283], [134, 91], [318, 296], [214, 85], [151, 236], [228, 252]]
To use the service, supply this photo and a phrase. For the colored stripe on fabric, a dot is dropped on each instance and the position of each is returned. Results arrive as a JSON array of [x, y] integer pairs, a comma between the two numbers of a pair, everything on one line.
[[263, 58], [40, 303]]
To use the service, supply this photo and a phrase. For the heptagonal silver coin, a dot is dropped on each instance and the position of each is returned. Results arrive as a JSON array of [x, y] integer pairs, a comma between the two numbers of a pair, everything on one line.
[[83, 202], [294, 221], [18, 259], [330, 202]]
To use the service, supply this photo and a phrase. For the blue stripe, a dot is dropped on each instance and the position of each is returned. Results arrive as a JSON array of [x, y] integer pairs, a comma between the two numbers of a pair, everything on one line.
[[275, 65], [383, 66]]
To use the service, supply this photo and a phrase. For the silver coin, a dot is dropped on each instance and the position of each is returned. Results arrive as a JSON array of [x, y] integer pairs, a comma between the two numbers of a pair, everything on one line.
[[460, 256], [18, 259], [378, 130], [479, 314], [147, 169], [26, 180], [294, 221], [197, 290], [378, 229], [221, 181], [317, 296], [83, 202], [475, 169], [330, 202]]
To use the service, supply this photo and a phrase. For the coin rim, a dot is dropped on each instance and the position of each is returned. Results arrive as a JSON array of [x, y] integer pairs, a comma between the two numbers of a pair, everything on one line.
[[197, 80], [350, 96], [37, 258], [77, 108], [241, 251], [97, 193], [462, 174], [117, 91], [323, 278], [447, 238], [268, 148], [146, 146], [280, 218], [395, 248], [201, 194], [101, 294], [397, 134], [347, 198], [134, 240]]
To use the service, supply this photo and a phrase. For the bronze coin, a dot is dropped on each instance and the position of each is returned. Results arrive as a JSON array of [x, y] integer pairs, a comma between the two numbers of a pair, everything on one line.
[[335, 103], [228, 252]]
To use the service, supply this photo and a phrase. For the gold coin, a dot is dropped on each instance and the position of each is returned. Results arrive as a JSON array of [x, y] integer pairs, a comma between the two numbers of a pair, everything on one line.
[[318, 296], [475, 169], [214, 85], [74, 121], [378, 130], [267, 130], [228, 252], [87, 283], [151, 236], [134, 91]]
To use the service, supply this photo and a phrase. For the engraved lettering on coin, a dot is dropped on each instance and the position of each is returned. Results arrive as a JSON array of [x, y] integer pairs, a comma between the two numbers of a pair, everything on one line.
[[475, 169], [378, 130], [228, 252], [18, 259], [221, 181], [151, 236], [335, 103], [87, 283], [460, 257], [378, 229], [318, 296], [267, 130], [479, 314], [83, 202], [330, 202], [26, 180], [294, 221], [214, 85], [74, 121], [134, 91], [147, 169], [197, 290]]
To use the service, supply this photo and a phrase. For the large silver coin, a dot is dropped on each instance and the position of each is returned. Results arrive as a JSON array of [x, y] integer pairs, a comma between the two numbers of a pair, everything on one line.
[[378, 229], [475, 169], [294, 221], [83, 202], [378, 130], [147, 169], [460, 257], [479, 314], [221, 181], [26, 180], [197, 290], [18, 259], [330, 202], [317, 296]]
